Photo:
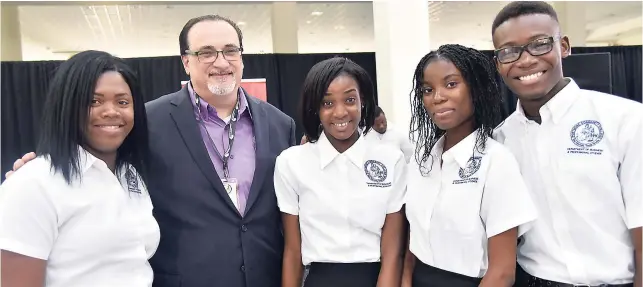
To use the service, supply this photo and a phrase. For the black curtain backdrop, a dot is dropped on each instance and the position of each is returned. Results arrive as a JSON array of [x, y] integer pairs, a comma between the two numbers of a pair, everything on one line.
[[24, 85]]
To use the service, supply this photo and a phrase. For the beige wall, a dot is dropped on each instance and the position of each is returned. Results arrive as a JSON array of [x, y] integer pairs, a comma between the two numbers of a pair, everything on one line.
[[11, 47]]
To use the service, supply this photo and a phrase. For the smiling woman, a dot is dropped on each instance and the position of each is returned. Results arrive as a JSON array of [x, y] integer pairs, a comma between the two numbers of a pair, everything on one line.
[[339, 193], [466, 201], [80, 214]]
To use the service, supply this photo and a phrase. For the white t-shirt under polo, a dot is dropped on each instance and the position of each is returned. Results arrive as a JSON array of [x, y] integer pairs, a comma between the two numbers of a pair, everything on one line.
[[96, 232], [341, 199], [457, 207], [583, 167]]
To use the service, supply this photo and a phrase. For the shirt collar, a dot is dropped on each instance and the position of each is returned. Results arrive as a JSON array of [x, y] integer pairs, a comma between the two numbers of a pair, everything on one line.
[[557, 106], [461, 152], [327, 153], [87, 161], [203, 105]]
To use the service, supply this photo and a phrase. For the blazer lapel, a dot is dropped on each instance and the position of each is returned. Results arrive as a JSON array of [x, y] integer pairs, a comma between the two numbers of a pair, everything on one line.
[[262, 153], [185, 119]]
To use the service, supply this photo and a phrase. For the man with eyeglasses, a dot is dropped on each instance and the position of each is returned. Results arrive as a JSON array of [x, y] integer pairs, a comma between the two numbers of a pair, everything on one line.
[[214, 149], [580, 154]]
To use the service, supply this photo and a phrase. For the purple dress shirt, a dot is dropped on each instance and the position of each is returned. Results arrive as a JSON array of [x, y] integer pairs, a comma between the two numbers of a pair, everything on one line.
[[241, 163]]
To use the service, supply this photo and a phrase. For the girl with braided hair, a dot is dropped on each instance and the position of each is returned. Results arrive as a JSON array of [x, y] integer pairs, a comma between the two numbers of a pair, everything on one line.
[[466, 201]]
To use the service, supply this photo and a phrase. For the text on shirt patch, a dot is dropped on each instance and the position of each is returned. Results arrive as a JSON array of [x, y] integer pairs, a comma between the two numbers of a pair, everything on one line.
[[377, 173], [473, 165], [585, 135], [132, 181]]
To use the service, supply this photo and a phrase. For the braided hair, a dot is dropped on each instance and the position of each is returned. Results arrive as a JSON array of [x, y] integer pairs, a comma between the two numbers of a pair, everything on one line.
[[479, 74]]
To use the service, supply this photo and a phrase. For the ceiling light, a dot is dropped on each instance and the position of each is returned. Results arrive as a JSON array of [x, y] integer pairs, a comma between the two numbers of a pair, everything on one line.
[[308, 22], [316, 13], [241, 23], [339, 27]]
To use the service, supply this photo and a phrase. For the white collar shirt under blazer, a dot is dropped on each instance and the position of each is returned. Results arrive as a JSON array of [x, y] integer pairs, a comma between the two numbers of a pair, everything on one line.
[[583, 166], [454, 209], [96, 232], [341, 199]]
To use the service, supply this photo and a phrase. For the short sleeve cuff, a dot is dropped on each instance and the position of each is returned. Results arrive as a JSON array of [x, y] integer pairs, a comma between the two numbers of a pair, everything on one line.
[[292, 210], [634, 219], [23, 249], [395, 207], [523, 223]]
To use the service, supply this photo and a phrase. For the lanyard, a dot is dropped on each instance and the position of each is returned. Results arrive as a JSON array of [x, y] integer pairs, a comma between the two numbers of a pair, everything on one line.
[[230, 126]]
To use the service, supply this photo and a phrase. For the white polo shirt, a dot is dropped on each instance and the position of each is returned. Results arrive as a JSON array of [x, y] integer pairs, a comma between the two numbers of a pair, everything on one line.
[[341, 199], [394, 137], [454, 209], [583, 167], [96, 232]]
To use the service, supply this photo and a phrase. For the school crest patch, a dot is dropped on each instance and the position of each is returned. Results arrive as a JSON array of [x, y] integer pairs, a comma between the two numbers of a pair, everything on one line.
[[377, 173]]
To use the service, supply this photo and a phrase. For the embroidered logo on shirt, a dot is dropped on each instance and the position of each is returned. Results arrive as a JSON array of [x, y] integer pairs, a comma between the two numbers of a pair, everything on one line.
[[585, 135], [132, 181], [473, 165], [377, 173]]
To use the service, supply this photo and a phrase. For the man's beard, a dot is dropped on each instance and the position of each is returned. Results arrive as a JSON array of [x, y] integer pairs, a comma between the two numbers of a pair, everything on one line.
[[222, 88]]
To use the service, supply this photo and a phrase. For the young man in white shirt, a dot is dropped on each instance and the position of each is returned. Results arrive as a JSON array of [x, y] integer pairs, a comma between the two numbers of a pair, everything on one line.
[[390, 135], [580, 154]]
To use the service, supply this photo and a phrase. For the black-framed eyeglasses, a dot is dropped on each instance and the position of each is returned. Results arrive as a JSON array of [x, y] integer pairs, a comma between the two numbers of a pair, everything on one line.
[[535, 48], [208, 56]]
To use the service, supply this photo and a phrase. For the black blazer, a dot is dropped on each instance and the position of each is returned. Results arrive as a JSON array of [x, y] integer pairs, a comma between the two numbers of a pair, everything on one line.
[[204, 240]]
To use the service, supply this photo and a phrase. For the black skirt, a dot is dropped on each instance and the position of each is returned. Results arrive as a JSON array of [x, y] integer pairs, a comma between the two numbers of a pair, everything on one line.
[[429, 276], [342, 275]]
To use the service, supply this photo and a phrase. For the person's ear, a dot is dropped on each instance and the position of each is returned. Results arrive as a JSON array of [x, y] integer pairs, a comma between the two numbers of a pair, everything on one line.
[[565, 47], [186, 62]]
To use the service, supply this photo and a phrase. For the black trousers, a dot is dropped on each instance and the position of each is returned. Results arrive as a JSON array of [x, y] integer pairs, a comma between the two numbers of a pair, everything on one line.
[[342, 275], [524, 279], [429, 276]]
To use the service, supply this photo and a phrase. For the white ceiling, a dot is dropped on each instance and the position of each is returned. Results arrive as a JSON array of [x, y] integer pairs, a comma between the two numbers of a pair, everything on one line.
[[152, 30]]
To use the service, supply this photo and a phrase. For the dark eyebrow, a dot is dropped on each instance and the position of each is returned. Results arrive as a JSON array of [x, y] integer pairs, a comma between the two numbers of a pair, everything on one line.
[[351, 90], [120, 95], [532, 38], [209, 47], [205, 48], [452, 75]]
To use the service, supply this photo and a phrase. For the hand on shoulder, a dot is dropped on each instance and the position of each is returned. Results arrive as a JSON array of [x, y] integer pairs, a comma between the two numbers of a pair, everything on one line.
[[20, 163]]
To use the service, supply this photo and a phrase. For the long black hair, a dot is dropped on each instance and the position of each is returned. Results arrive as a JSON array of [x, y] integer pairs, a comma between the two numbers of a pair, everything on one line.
[[479, 73], [66, 112], [316, 85]]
